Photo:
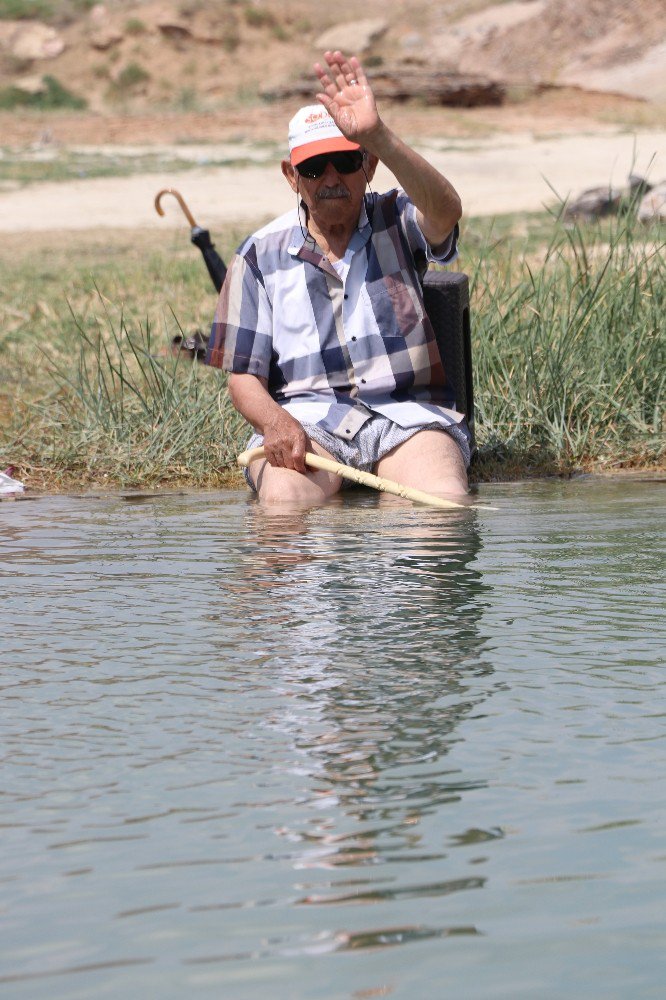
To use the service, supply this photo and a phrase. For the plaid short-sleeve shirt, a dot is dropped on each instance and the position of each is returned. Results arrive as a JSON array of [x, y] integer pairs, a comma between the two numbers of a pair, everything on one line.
[[337, 343]]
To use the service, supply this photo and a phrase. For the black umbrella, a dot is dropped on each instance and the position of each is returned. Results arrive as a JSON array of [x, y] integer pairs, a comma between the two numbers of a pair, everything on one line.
[[217, 269]]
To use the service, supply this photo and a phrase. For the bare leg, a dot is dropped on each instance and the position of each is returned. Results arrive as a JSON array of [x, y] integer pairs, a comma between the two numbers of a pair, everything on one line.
[[276, 485], [429, 461]]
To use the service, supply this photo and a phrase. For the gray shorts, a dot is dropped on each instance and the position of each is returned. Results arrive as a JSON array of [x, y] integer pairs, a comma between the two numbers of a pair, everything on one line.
[[376, 438]]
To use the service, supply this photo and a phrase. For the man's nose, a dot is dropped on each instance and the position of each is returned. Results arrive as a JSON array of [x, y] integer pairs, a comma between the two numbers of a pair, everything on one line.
[[330, 175]]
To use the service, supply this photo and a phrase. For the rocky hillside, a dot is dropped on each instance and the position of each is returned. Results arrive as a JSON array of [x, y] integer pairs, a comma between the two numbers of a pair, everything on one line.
[[194, 55]]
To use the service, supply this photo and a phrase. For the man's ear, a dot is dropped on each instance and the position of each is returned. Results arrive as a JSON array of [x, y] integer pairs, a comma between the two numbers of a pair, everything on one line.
[[370, 165], [289, 172]]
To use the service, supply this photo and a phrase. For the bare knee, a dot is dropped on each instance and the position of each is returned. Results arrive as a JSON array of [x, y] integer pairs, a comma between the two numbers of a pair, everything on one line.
[[454, 485], [430, 461], [284, 486], [289, 491]]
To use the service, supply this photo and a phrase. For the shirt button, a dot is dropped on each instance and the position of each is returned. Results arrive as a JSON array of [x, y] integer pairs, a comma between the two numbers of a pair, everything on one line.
[[353, 338], [346, 296], [347, 431], [363, 381]]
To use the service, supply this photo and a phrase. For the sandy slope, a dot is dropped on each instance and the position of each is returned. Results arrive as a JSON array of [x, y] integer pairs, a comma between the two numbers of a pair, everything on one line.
[[505, 174]]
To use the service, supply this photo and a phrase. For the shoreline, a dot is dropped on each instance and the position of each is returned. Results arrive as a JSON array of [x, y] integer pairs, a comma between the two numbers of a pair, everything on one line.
[[234, 481]]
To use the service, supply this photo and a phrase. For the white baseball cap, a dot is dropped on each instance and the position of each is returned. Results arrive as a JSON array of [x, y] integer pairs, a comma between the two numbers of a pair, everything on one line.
[[312, 131]]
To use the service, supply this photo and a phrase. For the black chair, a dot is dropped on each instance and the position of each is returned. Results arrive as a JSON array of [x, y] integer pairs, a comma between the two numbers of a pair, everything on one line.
[[446, 297]]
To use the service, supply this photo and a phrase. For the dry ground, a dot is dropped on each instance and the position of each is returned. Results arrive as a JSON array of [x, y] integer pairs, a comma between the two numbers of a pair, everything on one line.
[[501, 159]]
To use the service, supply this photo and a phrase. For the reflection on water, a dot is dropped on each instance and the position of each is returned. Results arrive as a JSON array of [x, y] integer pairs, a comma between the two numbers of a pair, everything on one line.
[[237, 744], [375, 656]]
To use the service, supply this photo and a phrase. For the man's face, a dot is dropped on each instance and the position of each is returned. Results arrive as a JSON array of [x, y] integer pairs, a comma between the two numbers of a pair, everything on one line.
[[335, 197]]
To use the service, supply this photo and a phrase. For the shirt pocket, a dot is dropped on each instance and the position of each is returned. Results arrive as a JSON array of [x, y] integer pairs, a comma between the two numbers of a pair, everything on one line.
[[395, 304]]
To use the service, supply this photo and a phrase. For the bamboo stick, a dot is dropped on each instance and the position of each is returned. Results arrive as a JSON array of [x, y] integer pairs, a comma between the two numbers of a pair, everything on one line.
[[364, 478]]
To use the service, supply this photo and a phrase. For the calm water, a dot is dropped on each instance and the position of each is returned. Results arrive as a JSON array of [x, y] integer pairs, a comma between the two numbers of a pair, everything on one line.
[[367, 751]]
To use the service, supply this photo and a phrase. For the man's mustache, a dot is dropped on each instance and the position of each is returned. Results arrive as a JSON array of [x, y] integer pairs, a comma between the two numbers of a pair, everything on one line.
[[339, 191]]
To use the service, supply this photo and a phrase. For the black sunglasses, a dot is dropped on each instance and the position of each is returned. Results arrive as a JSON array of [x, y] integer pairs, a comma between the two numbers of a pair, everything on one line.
[[347, 162]]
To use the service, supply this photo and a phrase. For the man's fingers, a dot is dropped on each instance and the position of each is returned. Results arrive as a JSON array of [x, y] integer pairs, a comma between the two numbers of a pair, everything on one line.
[[337, 62], [298, 457], [345, 67], [358, 72], [287, 453], [324, 78], [348, 69], [327, 102]]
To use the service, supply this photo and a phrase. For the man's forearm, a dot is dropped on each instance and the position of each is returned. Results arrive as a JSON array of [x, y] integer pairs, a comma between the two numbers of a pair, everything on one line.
[[285, 441], [251, 398], [435, 198]]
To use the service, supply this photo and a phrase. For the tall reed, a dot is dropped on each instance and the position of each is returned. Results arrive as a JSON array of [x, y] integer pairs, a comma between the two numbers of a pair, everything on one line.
[[131, 413], [570, 346]]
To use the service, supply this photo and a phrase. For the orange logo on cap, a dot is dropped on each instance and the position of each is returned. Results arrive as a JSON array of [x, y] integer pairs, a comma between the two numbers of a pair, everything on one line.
[[314, 117]]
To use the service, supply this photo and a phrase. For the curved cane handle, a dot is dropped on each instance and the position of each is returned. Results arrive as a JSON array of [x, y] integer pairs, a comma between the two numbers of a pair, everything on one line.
[[181, 201]]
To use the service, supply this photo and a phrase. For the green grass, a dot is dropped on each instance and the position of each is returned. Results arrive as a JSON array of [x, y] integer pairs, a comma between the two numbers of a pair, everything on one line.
[[135, 26], [89, 390], [129, 79], [258, 18], [64, 165], [134, 414], [570, 346], [19, 10], [51, 11], [568, 343]]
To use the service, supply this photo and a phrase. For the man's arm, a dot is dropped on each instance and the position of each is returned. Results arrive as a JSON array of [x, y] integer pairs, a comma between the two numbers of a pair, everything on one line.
[[241, 340], [285, 441], [348, 98], [438, 207]]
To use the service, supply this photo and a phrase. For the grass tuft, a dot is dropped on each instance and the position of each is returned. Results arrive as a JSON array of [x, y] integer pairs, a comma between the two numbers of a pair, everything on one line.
[[128, 413], [570, 346]]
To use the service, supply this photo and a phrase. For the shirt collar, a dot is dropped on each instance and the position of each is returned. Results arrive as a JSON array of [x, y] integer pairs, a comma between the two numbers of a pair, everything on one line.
[[361, 235]]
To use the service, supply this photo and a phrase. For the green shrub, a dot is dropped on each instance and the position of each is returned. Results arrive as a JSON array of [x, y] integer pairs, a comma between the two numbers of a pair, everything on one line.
[[51, 11], [258, 18], [135, 26], [53, 98], [21, 10], [130, 77], [188, 8], [186, 99], [231, 40], [279, 32]]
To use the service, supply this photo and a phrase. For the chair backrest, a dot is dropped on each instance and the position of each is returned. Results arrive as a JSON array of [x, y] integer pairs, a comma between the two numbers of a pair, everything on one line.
[[446, 296]]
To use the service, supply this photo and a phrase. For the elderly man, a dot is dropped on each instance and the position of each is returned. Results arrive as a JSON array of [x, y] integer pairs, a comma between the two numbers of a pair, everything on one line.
[[321, 320]]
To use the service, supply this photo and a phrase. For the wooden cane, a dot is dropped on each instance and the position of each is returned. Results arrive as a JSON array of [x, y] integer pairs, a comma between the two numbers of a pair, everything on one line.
[[365, 479]]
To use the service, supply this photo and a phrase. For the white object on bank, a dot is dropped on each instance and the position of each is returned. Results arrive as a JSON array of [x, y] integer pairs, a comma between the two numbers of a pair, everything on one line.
[[9, 485]]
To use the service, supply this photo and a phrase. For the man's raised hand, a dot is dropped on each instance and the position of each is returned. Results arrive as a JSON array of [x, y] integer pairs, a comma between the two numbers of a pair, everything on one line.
[[347, 96]]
